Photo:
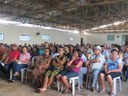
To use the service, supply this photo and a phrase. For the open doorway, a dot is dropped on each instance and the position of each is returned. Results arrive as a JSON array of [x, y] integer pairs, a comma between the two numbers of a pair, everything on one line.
[[124, 39], [81, 41]]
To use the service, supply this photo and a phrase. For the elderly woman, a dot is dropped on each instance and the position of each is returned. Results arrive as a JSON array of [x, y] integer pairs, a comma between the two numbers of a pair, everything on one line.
[[57, 66], [21, 63], [74, 67], [43, 63], [112, 69]]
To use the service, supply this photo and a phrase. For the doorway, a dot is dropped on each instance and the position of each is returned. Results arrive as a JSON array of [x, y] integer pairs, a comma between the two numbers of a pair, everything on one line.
[[124, 39], [81, 41]]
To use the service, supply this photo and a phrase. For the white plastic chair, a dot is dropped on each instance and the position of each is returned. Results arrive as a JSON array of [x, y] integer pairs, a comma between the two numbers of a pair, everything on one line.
[[23, 74], [115, 82], [11, 73], [29, 70], [72, 81], [60, 86]]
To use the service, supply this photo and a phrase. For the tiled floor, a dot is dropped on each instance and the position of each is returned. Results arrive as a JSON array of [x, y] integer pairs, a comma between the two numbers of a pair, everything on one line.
[[22, 89]]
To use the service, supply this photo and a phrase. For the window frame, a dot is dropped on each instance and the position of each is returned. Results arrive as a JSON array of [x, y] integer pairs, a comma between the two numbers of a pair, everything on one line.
[[2, 36], [110, 37], [45, 37], [21, 38]]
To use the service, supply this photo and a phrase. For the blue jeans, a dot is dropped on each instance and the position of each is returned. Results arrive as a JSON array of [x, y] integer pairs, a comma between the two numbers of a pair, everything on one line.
[[15, 67], [8, 68], [95, 76], [69, 73], [83, 70]]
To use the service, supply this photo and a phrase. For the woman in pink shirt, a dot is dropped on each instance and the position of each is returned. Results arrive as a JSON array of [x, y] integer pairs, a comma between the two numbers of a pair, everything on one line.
[[22, 62], [74, 67]]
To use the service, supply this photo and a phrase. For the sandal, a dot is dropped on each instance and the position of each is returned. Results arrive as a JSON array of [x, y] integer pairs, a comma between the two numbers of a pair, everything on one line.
[[93, 89], [11, 81], [111, 93], [16, 74]]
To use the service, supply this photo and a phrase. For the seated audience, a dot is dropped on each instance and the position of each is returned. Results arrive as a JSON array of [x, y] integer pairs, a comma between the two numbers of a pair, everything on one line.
[[22, 62], [105, 52], [83, 70], [112, 69], [64, 62], [74, 67], [41, 66], [97, 63], [57, 66], [11, 59], [67, 53], [126, 61], [6, 53], [2, 51]]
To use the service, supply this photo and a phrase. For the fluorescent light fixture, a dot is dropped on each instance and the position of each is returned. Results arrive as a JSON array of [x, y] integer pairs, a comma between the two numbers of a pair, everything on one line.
[[75, 31], [26, 25], [85, 33], [119, 22], [7, 22], [105, 26]]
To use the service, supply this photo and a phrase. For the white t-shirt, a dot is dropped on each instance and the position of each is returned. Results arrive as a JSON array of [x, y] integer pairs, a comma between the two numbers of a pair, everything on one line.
[[99, 65]]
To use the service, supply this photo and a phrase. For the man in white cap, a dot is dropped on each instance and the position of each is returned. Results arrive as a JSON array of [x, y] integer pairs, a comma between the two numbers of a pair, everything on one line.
[[97, 63]]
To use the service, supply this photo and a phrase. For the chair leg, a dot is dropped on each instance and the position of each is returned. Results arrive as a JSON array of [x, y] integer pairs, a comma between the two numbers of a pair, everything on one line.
[[58, 85], [86, 81], [90, 81], [26, 77], [97, 86], [73, 87], [120, 84], [22, 75], [114, 85], [62, 87], [11, 73]]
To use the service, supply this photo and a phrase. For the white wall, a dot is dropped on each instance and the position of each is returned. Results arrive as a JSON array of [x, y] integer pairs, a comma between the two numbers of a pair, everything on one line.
[[101, 38], [12, 33]]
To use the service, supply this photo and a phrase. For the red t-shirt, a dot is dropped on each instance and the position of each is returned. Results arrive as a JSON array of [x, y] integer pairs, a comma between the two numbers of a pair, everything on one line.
[[14, 54]]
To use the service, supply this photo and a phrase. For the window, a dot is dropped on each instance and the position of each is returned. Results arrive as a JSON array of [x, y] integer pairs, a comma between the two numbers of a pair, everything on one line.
[[110, 37], [71, 38], [1, 36], [46, 37], [25, 37]]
